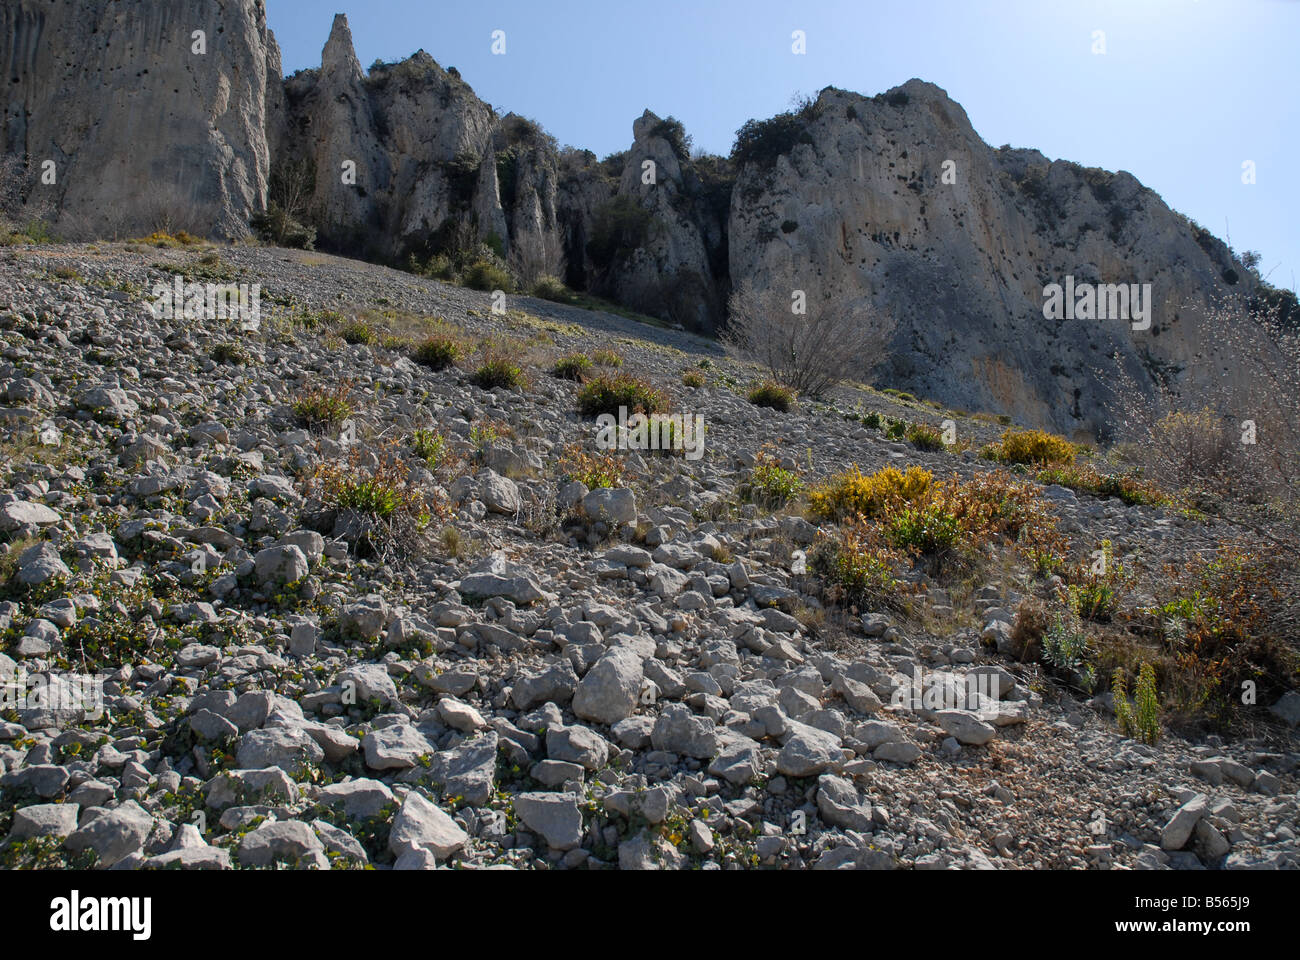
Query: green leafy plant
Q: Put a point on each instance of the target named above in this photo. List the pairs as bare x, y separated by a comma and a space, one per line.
229, 353
1141, 719
593, 471
1123, 709
321, 406
488, 275
607, 393
551, 288
438, 352
772, 394
1096, 593
574, 366
769, 483
358, 332
858, 567
499, 370
376, 501
1147, 719
1066, 648
430, 446
924, 437
927, 527
1031, 447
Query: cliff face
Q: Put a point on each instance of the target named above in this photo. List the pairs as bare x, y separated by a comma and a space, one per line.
141, 128
859, 203
894, 198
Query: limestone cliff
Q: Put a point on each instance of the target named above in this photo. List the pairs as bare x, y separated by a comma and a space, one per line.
893, 197
152, 112
859, 202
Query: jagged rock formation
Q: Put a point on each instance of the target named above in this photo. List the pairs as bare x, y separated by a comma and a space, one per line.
851, 189
416, 135
140, 127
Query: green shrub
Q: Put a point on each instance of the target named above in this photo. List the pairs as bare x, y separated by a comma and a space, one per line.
1141, 719
592, 470
1148, 705
437, 353
762, 141
693, 379
1095, 594
857, 567
772, 394
279, 227
34, 231
230, 353
321, 407
1066, 648
853, 493
358, 332
430, 446
671, 129
316, 319
498, 370
769, 483
551, 288
618, 227
607, 358
927, 527
1084, 477
383, 510
575, 366
924, 437
488, 275
608, 392
439, 266
1123, 709
368, 495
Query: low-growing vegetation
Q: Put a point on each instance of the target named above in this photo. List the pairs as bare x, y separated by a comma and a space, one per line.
319, 407
1085, 478
358, 332
771, 485
1031, 447
574, 366
497, 371
924, 437
438, 352
608, 393
378, 509
594, 471
772, 394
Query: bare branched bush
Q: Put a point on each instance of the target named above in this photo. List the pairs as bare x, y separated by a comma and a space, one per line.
287, 219
805, 340
12, 170
171, 209
1227, 441
21, 206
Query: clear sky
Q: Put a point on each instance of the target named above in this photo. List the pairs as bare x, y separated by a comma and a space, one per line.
1186, 91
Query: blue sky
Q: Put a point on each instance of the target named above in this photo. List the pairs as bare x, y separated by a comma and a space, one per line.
1186, 91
